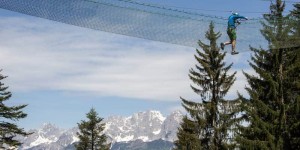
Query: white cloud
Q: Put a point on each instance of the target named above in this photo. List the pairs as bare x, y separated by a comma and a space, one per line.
60, 57
38, 54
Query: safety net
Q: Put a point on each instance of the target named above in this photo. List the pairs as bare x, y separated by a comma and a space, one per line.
131, 18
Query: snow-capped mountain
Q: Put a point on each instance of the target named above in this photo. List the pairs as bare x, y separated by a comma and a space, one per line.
49, 137
143, 126
47, 134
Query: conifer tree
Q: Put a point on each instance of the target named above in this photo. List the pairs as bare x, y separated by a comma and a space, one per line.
187, 135
272, 92
293, 114
90, 133
212, 118
295, 17
9, 115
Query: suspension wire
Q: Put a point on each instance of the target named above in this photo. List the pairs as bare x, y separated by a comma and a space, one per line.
197, 9
165, 7
182, 11
169, 12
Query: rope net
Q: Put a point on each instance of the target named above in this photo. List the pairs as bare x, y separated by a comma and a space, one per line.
137, 19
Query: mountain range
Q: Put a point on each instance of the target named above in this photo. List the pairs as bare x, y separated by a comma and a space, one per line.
148, 130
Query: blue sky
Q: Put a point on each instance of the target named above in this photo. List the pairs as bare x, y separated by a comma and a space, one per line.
61, 71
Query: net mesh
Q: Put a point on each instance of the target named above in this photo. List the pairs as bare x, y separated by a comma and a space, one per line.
136, 19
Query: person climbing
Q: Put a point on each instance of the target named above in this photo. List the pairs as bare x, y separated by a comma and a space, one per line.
233, 20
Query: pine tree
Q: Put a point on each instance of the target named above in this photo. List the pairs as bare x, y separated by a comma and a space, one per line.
211, 120
90, 135
272, 92
295, 17
187, 135
9, 114
293, 114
